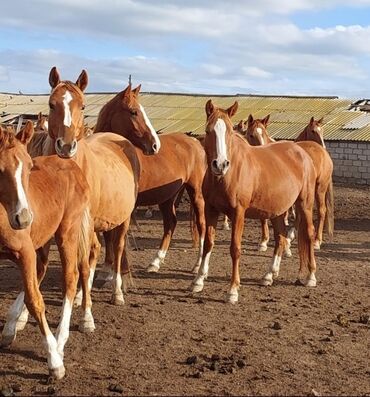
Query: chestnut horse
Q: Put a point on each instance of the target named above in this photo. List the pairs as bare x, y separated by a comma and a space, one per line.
257, 135
255, 182
180, 161
109, 163
38, 200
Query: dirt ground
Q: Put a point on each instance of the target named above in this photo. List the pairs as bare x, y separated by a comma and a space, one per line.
279, 340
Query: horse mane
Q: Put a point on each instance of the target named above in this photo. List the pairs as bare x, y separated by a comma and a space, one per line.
301, 136
37, 143
105, 114
7, 139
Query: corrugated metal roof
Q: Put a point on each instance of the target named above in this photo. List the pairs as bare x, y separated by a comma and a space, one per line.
185, 112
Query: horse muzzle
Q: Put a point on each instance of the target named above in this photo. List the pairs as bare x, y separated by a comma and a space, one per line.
22, 219
65, 150
219, 168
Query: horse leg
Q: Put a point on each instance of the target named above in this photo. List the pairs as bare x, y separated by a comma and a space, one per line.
235, 252
225, 224
169, 224
265, 235
211, 224
35, 304
67, 242
42, 265
321, 207
197, 202
280, 245
306, 239
118, 246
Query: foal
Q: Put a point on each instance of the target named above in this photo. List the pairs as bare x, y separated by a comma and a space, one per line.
38, 200
241, 182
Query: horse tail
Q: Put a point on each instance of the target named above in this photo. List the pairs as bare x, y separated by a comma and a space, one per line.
84, 238
329, 218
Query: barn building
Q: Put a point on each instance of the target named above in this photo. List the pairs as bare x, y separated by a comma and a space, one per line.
346, 122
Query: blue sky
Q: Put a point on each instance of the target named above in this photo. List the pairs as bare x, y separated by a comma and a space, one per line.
286, 47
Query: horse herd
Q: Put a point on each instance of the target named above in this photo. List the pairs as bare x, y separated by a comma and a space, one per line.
66, 184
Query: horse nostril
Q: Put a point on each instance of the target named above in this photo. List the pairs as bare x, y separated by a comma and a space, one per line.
17, 219
226, 164
74, 144
59, 143
154, 147
214, 164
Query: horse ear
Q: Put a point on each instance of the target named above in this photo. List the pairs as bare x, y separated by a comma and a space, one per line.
250, 119
82, 80
266, 120
26, 133
321, 120
210, 108
232, 109
136, 90
54, 78
39, 116
312, 120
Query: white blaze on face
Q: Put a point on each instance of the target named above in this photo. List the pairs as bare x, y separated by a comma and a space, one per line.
318, 130
220, 130
22, 199
259, 131
152, 130
67, 98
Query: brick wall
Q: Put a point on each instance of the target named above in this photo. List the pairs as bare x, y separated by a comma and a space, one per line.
351, 161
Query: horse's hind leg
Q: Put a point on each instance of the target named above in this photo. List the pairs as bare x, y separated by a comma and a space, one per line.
225, 223
306, 238
169, 224
42, 265
197, 203
265, 235
321, 209
211, 224
118, 246
280, 245
104, 276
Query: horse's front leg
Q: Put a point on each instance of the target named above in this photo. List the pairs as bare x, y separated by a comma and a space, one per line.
35, 304
42, 265
265, 235
235, 252
211, 224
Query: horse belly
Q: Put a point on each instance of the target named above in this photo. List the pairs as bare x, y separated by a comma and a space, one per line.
116, 200
159, 194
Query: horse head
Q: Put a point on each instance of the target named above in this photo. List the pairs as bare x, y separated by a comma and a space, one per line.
66, 112
41, 123
219, 130
315, 131
124, 115
15, 167
256, 132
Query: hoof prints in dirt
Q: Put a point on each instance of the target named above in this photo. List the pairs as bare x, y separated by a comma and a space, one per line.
221, 364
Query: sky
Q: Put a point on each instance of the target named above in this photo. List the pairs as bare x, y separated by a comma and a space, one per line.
267, 47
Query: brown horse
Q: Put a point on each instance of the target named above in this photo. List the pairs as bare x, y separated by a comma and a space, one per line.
257, 135
38, 200
180, 161
255, 182
109, 163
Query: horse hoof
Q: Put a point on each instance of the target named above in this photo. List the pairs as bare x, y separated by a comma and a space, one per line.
117, 300
86, 327
226, 227
262, 248
77, 302
317, 245
197, 288
266, 281
298, 282
152, 268
232, 298
57, 373
288, 253
7, 340
310, 283
275, 275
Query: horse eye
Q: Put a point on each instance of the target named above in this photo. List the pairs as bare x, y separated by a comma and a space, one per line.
133, 112
51, 105
83, 107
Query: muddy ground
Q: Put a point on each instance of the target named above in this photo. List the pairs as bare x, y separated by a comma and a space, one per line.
279, 340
